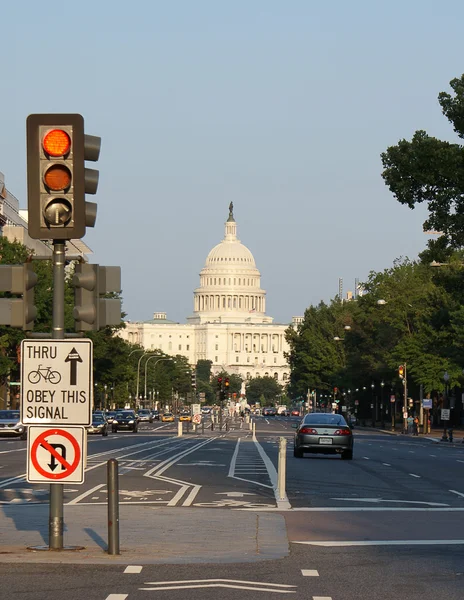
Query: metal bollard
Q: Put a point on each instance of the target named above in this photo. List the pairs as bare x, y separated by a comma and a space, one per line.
251, 424
254, 431
202, 427
113, 506
282, 468
194, 428
179, 429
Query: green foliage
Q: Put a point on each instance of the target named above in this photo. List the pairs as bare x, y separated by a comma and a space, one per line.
203, 370
430, 170
262, 389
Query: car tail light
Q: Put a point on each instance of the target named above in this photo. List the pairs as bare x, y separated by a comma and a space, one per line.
309, 430
342, 432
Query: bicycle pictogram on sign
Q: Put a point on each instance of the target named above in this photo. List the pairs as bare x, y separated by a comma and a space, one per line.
44, 373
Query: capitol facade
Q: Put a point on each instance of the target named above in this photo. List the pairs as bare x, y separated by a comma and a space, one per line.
229, 325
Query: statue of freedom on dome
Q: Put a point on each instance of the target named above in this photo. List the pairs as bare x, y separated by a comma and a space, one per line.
231, 210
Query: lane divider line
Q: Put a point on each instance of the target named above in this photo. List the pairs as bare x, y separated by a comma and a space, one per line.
310, 573
133, 569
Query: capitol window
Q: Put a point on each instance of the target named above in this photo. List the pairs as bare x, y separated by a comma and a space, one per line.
236, 359
216, 359
276, 376
188, 347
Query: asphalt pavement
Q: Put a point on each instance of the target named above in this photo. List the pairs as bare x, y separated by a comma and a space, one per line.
205, 500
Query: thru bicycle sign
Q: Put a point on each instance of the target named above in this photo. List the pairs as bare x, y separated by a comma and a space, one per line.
56, 382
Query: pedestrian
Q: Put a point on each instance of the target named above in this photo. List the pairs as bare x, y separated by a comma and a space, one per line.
416, 426
450, 434
410, 424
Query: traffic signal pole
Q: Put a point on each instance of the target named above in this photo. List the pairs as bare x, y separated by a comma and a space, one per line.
405, 401
55, 523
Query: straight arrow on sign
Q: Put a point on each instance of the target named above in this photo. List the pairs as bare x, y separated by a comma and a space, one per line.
73, 358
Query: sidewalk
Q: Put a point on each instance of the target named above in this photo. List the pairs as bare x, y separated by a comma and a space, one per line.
148, 535
435, 435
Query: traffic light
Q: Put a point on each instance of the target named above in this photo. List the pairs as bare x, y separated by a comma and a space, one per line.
219, 383
193, 378
19, 280
57, 179
226, 384
401, 371
91, 311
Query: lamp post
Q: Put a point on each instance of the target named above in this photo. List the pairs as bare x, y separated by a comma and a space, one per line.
104, 397
138, 373
393, 411
372, 404
146, 366
445, 405
382, 414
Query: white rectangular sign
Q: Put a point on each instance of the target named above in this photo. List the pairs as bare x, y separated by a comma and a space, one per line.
56, 382
445, 414
55, 454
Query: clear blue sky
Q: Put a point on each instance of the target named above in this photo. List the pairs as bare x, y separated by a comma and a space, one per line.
281, 106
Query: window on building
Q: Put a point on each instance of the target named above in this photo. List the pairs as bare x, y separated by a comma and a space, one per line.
248, 359
275, 360
188, 347
266, 374
248, 375
276, 376
217, 347
236, 359
180, 346
284, 376
216, 359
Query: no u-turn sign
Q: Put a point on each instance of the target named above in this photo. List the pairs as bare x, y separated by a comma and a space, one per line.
55, 454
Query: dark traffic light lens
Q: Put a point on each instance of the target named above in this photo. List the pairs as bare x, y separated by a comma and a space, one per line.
57, 177
58, 212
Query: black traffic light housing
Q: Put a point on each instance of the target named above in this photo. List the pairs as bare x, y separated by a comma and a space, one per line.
57, 179
18, 280
91, 310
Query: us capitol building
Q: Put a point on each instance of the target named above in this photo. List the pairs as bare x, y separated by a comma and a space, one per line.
229, 325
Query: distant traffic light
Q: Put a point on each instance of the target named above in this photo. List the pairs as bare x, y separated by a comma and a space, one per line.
18, 280
91, 311
401, 371
226, 384
57, 179
219, 383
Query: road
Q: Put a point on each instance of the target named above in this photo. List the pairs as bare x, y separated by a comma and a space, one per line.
386, 525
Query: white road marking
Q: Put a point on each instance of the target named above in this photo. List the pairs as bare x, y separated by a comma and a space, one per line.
461, 461
322, 597
434, 455
133, 569
332, 544
309, 573
366, 458
414, 475
85, 494
237, 584
117, 597
7, 482
386, 465
377, 500
234, 494
8, 451
458, 493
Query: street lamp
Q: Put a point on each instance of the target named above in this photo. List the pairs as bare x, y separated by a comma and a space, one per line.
382, 414
445, 402
138, 372
372, 404
146, 366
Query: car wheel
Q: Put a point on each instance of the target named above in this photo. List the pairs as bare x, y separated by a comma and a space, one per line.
297, 453
114, 430
347, 455
134, 430
23, 436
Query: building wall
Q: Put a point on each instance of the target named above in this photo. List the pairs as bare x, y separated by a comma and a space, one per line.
248, 350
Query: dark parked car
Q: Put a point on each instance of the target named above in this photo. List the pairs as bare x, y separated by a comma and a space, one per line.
124, 420
10, 425
99, 425
324, 433
155, 414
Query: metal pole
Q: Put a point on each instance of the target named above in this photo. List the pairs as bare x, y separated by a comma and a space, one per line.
281, 468
405, 402
113, 506
55, 522
179, 429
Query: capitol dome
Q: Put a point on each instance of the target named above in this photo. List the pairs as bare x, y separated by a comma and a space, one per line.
230, 283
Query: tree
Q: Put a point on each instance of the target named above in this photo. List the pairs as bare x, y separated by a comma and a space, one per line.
262, 387
203, 370
430, 170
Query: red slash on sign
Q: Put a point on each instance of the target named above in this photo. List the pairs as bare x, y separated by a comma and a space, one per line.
57, 452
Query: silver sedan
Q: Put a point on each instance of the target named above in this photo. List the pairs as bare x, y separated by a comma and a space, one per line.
323, 433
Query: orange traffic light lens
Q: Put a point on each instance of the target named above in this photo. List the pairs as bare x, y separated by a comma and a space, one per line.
57, 177
56, 143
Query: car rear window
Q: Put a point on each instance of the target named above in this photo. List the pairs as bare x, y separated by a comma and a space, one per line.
324, 419
9, 414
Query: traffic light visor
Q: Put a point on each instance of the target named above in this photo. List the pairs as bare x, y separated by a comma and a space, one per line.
57, 177
56, 142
